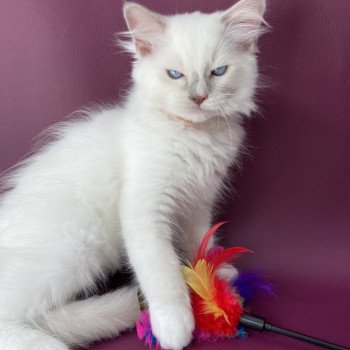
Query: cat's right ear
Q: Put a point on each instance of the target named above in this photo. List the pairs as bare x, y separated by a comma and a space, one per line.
145, 27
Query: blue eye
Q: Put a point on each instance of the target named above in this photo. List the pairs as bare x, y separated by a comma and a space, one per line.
219, 71
174, 74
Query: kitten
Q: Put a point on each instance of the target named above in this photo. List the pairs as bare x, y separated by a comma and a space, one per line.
138, 180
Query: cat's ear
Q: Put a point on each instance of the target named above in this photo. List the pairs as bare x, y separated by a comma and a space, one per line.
146, 27
245, 22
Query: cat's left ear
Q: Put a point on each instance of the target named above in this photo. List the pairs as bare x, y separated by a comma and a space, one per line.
146, 27
245, 22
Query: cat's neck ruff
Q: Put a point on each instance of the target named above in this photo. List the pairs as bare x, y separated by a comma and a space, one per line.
180, 119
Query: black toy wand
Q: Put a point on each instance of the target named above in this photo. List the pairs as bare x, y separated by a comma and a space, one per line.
259, 324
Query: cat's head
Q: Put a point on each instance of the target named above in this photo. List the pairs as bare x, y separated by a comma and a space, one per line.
196, 66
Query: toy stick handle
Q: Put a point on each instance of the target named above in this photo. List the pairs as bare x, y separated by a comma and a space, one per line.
259, 324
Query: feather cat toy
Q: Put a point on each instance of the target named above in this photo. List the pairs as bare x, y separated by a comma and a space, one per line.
218, 304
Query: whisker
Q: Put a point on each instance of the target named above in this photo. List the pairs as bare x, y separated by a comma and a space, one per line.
226, 120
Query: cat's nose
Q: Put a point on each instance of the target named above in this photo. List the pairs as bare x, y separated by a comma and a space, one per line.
199, 99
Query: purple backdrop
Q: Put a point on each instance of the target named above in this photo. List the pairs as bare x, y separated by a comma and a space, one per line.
292, 202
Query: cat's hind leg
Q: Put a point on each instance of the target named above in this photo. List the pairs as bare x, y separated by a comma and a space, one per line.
19, 336
39, 277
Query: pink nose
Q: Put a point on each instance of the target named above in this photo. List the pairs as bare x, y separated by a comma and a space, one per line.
199, 99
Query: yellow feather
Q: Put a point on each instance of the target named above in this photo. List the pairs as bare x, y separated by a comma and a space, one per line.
212, 308
200, 279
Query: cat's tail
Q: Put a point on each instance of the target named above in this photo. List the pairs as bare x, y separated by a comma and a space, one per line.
95, 318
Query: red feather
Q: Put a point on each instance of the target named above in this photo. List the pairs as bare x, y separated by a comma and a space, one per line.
218, 326
228, 254
219, 314
203, 246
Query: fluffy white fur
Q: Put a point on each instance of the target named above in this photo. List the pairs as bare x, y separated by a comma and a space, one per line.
138, 180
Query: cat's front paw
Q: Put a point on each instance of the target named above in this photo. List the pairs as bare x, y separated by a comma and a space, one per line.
172, 324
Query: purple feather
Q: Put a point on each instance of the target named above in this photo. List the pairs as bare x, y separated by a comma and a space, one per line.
248, 284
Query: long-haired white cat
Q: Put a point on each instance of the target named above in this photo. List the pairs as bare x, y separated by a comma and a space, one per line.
136, 181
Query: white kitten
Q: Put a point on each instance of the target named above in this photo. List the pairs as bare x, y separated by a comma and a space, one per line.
140, 179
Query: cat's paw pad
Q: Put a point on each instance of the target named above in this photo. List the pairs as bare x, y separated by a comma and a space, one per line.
227, 272
172, 324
